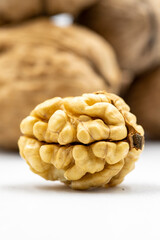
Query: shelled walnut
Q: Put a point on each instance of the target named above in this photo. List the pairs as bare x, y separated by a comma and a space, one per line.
132, 27
39, 60
143, 97
88, 141
18, 10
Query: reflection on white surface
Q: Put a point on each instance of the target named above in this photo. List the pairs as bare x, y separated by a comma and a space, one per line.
32, 208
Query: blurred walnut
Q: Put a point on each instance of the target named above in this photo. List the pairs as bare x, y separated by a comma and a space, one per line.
144, 99
17, 10
67, 6
39, 61
132, 28
87, 141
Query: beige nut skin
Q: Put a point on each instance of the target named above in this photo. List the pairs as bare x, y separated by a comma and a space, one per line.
132, 28
143, 96
88, 141
39, 61
18, 10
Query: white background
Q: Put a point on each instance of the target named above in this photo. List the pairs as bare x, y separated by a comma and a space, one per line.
32, 208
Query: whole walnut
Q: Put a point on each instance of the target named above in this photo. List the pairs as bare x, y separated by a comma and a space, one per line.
17, 10
131, 26
39, 60
87, 141
144, 98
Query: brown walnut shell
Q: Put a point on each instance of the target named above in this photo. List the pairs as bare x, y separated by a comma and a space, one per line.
39, 60
143, 97
131, 26
18, 10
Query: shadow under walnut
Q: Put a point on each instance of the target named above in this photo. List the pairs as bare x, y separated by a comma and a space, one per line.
39, 61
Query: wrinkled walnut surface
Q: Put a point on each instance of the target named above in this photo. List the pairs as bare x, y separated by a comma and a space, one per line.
18, 10
143, 97
88, 141
132, 28
39, 61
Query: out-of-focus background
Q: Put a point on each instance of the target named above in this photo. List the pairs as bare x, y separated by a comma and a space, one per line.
65, 48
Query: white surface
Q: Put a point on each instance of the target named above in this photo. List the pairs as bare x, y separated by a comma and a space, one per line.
32, 208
